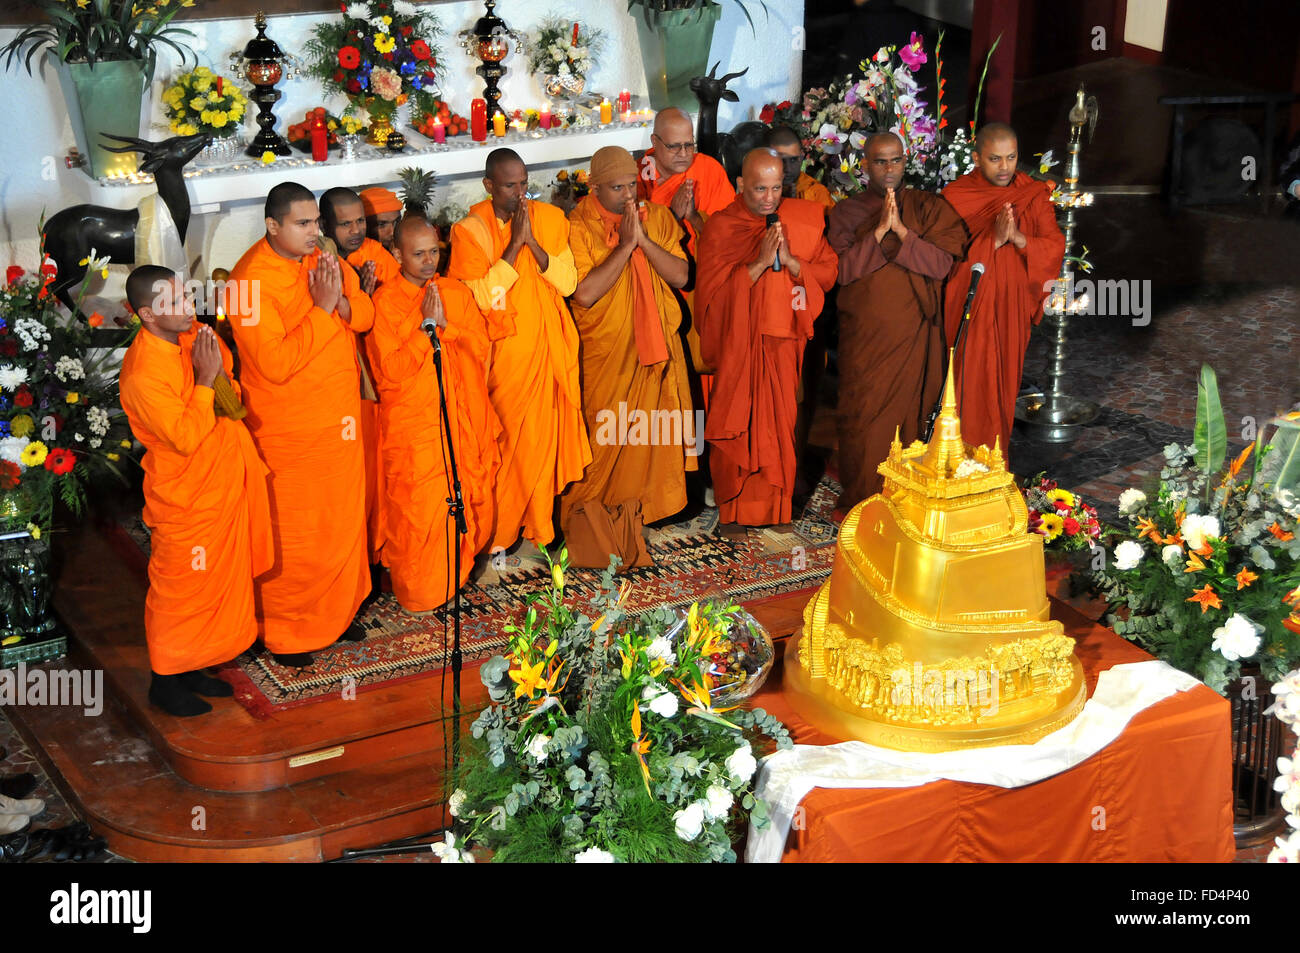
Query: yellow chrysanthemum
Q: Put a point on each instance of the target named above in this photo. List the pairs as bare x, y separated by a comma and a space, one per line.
1053, 525
202, 71
21, 425
218, 120
384, 43
202, 85
206, 115
214, 96
34, 454
1064, 496
73, 397
198, 103
268, 157
189, 129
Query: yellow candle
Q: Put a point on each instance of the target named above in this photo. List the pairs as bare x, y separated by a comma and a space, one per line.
499, 125
606, 113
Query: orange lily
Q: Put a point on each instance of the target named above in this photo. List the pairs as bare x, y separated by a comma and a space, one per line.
1175, 540
640, 746
1148, 528
1240, 461
1245, 577
1194, 563
527, 678
1284, 535
1207, 597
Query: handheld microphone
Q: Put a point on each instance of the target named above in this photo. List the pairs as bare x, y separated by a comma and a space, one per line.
976, 272
772, 219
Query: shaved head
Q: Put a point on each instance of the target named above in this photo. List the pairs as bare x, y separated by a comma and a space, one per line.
996, 153
499, 160
992, 132
415, 246
761, 181
506, 180
779, 136
343, 219
674, 141
411, 228
885, 162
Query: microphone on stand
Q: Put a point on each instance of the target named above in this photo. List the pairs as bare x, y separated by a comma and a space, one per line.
976, 272
430, 327
773, 219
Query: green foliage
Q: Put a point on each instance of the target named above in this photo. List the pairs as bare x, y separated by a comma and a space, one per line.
1211, 436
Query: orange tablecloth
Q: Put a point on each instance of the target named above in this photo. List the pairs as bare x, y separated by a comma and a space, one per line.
1160, 792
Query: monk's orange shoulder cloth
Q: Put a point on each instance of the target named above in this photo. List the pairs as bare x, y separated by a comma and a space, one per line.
386, 268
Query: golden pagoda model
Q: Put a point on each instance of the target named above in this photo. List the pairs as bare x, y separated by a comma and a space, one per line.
932, 632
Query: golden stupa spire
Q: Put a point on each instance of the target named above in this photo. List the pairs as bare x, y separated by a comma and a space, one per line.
946, 450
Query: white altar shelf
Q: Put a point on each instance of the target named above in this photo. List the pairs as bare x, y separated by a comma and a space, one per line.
216, 187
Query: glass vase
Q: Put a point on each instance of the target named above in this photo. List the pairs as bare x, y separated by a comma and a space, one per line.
25, 586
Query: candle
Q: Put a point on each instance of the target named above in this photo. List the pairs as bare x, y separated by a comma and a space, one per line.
575, 34
439, 131
499, 125
606, 113
478, 120
544, 118
624, 102
319, 141
220, 83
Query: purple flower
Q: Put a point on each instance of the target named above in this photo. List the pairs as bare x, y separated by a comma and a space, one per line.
913, 54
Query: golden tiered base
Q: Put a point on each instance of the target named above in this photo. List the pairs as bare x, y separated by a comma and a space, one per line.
1016, 721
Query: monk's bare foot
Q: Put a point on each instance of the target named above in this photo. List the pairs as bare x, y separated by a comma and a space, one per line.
293, 659
709, 499
733, 531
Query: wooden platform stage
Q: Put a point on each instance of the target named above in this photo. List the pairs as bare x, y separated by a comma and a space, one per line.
303, 785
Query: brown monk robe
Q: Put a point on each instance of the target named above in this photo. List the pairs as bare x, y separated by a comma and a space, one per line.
1014, 233
753, 325
343, 221
629, 260
896, 247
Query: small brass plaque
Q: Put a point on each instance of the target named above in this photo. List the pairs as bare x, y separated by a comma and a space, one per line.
325, 754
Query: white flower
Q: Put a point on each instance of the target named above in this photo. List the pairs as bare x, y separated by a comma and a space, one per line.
11, 378
97, 420
11, 449
1128, 554
379, 24
537, 747
357, 11
968, 467
662, 702
449, 853
94, 443
31, 332
661, 648
1236, 639
1130, 500
78, 437
1172, 554
1288, 774
593, 855
69, 368
456, 802
403, 9
741, 764
717, 802
882, 55
1291, 801
1287, 850
689, 821
1197, 529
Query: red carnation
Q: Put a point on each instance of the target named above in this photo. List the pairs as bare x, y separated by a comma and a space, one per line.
1071, 525
420, 50
354, 86
349, 57
10, 475
784, 106
767, 114
407, 30
13, 274
389, 57
60, 461
9, 347
23, 398
339, 76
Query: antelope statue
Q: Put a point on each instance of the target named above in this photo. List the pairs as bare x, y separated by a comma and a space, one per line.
711, 90
72, 233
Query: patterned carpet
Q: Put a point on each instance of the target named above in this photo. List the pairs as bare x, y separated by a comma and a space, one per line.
690, 562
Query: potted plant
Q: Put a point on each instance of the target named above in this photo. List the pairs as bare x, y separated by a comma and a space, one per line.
106, 51
675, 36
1206, 577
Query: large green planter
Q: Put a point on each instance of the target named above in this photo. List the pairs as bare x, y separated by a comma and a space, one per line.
107, 98
674, 51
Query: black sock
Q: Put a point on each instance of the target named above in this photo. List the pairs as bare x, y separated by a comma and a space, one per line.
293, 659
204, 684
169, 693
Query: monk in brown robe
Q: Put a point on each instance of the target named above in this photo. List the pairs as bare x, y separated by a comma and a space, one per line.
896, 247
1013, 231
629, 260
754, 322
343, 222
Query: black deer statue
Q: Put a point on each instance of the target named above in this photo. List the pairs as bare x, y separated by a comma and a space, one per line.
72, 233
711, 90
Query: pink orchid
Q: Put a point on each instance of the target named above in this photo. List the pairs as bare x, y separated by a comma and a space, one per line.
913, 54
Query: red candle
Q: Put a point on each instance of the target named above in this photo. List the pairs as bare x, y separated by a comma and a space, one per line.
319, 141
439, 131
220, 83
575, 34
624, 101
544, 117
478, 120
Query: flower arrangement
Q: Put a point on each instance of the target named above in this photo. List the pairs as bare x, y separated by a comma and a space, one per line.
1287, 710
563, 50
569, 188
836, 121
602, 743
59, 425
381, 54
1064, 520
200, 101
1209, 571
95, 31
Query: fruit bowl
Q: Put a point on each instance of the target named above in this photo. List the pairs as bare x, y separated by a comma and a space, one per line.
738, 652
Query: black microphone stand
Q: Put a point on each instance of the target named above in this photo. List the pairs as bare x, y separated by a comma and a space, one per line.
961, 335
455, 507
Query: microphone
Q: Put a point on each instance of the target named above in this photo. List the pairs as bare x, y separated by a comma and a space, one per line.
772, 219
430, 327
976, 272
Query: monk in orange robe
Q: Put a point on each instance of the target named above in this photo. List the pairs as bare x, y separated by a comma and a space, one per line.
896, 247
294, 311
633, 367
693, 186
753, 325
383, 209
205, 496
1013, 230
513, 255
420, 529
796, 183
343, 220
